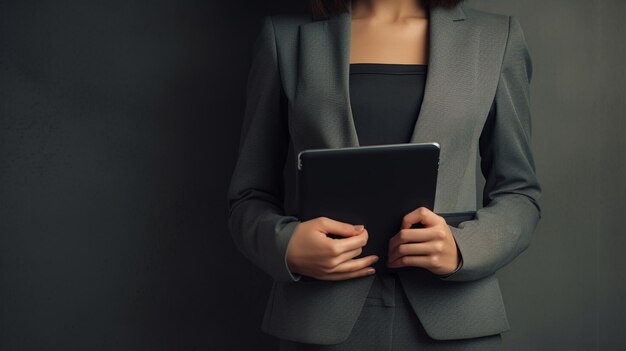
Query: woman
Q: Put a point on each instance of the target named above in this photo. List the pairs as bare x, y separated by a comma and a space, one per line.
449, 74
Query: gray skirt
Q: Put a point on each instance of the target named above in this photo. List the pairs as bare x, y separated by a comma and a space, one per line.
387, 323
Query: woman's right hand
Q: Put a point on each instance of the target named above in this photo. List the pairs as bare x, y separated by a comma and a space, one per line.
312, 253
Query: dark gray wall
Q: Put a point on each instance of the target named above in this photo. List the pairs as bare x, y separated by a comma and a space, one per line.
119, 122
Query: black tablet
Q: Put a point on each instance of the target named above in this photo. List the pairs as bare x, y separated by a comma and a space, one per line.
371, 185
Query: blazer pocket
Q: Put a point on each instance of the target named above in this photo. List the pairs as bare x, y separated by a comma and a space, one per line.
315, 311
456, 310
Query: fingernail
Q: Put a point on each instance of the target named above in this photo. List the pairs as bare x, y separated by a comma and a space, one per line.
371, 271
375, 258
359, 227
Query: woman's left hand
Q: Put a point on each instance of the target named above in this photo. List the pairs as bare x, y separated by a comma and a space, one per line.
432, 247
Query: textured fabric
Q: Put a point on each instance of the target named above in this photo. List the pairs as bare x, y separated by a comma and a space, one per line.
386, 99
298, 98
386, 323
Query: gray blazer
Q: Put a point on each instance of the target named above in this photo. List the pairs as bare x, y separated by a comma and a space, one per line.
298, 98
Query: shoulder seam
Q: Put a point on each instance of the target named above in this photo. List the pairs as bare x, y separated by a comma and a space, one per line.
270, 17
283, 94
506, 45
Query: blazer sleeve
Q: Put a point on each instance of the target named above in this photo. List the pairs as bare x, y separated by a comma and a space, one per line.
504, 225
256, 219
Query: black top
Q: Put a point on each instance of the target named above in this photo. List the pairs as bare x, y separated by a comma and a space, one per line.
386, 99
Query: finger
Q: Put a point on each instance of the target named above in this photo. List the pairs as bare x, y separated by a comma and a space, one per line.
413, 249
411, 261
421, 215
329, 225
348, 244
348, 255
353, 264
349, 275
415, 235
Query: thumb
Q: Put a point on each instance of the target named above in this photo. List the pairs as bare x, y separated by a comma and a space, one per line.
347, 229
358, 228
344, 229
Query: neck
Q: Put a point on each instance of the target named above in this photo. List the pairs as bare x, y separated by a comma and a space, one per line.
389, 10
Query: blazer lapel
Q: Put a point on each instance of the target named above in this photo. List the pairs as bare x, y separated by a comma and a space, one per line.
322, 88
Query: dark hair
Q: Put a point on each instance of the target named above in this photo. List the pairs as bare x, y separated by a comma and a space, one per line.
325, 8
